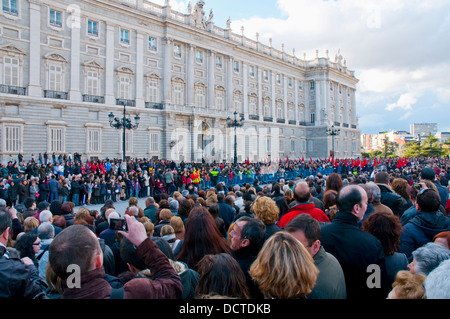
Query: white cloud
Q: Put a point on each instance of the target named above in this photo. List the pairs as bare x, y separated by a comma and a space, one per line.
405, 102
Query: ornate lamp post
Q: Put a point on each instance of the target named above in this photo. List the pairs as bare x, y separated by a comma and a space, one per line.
235, 123
333, 132
124, 124
418, 143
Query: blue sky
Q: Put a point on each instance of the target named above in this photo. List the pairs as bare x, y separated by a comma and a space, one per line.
398, 49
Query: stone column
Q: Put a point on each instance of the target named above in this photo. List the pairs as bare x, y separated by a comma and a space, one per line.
168, 54
229, 106
140, 71
190, 93
109, 69
75, 93
211, 80
34, 86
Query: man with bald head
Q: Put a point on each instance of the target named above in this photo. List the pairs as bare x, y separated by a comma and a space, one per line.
360, 254
302, 196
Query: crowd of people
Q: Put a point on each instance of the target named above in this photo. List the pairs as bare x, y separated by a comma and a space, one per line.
319, 229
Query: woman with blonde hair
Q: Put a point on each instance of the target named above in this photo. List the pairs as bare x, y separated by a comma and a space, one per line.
284, 269
30, 223
266, 210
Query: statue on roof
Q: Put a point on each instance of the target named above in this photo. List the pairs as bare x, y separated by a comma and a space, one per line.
198, 15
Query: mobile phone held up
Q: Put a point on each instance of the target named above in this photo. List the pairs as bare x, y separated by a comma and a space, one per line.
118, 224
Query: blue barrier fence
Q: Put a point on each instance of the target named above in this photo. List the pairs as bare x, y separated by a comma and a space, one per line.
275, 177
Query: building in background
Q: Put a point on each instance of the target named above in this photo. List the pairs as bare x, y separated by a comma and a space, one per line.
423, 129
65, 67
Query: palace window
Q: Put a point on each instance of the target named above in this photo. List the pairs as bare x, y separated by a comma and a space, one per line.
124, 36
13, 139
55, 18
56, 139
94, 141
152, 44
92, 83
92, 28
153, 91
10, 7
55, 78
11, 71
177, 50
154, 143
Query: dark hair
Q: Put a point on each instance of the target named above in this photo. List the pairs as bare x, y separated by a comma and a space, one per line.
428, 200
59, 221
307, 224
5, 219
382, 177
55, 207
254, 230
221, 274
185, 207
28, 202
74, 245
334, 181
329, 198
214, 210
387, 228
202, 237
43, 205
24, 245
282, 206
348, 197
164, 246
128, 254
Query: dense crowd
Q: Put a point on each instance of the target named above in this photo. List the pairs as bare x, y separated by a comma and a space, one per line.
314, 229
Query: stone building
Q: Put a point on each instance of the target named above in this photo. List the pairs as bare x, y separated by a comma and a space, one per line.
65, 67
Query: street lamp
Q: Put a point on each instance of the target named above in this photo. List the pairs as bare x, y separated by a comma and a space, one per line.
333, 132
235, 124
418, 143
124, 124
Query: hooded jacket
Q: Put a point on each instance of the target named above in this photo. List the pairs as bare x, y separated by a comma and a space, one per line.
421, 229
392, 200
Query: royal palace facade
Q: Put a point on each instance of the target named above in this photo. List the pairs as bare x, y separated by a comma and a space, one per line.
66, 67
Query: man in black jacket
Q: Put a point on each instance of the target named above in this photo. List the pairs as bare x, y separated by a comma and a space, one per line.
360, 254
20, 278
247, 238
388, 197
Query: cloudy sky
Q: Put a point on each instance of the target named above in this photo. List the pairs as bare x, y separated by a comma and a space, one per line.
399, 49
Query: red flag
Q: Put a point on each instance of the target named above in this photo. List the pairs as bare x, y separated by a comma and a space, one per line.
346, 164
310, 159
287, 159
303, 159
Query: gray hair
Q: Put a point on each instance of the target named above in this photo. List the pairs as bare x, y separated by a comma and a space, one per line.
437, 284
46, 230
376, 191
150, 200
113, 214
133, 210
45, 216
429, 256
2, 202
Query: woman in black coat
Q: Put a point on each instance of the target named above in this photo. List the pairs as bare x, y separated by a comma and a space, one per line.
13, 193
43, 190
24, 190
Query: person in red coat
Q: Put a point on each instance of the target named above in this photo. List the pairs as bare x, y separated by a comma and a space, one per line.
302, 196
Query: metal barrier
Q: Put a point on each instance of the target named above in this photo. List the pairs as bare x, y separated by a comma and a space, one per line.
243, 179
